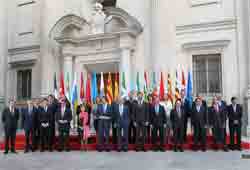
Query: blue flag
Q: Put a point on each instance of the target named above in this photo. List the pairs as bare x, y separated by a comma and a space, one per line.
94, 91
190, 89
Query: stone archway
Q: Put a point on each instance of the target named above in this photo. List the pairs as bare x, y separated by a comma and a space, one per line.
78, 48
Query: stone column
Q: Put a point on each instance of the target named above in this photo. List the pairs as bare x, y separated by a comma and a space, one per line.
125, 66
248, 78
68, 67
3, 55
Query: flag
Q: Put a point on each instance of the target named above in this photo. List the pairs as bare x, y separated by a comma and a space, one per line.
177, 86
189, 89
102, 86
138, 82
146, 86
94, 87
74, 97
109, 89
61, 90
124, 92
82, 87
88, 89
153, 81
55, 87
170, 92
68, 86
162, 90
183, 80
116, 94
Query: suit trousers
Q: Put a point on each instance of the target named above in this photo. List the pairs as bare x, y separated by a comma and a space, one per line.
64, 138
103, 133
141, 132
155, 131
199, 135
235, 129
132, 133
178, 135
10, 137
44, 137
122, 134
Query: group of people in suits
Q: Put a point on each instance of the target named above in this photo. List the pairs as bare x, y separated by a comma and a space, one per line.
140, 119
137, 119
38, 119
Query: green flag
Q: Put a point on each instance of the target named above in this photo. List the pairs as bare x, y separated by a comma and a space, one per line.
124, 87
138, 82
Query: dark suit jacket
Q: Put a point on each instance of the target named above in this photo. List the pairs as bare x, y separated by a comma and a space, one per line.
66, 117
141, 113
218, 119
199, 118
45, 117
158, 119
131, 104
121, 120
100, 112
232, 115
177, 122
28, 119
10, 120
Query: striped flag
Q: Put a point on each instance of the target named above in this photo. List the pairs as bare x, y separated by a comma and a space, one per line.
82, 87
55, 87
162, 89
74, 97
116, 94
109, 89
138, 82
68, 86
124, 92
146, 86
102, 93
170, 88
61, 90
183, 80
177, 86
88, 89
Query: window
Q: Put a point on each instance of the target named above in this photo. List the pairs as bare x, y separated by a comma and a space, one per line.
109, 3
24, 84
207, 74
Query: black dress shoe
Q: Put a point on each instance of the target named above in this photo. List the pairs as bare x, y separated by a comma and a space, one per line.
6, 152
181, 149
14, 152
175, 149
26, 151
225, 149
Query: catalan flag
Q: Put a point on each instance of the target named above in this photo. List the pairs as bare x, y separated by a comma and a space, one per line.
109, 89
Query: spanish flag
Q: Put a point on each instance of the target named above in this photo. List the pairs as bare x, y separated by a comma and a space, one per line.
170, 92
109, 89
116, 94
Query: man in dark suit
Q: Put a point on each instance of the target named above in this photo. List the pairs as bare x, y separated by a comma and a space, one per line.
219, 116
141, 121
131, 104
28, 123
177, 117
114, 125
36, 125
45, 118
10, 118
63, 119
53, 106
235, 123
187, 109
121, 120
158, 122
104, 115
199, 120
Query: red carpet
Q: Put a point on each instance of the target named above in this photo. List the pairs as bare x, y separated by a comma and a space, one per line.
74, 143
